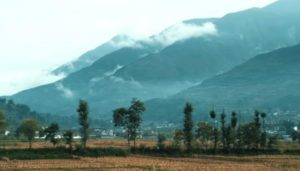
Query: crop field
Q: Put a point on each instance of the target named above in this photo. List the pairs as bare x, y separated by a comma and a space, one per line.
141, 162
205, 163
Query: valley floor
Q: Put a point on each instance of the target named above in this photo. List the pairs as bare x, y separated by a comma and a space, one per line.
203, 163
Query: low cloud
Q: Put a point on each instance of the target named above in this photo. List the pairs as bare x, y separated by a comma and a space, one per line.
178, 32
106, 74
12, 82
117, 68
66, 92
184, 31
126, 40
121, 80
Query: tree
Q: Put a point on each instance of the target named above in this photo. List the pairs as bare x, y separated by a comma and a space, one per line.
68, 136
273, 140
188, 126
239, 140
263, 137
263, 116
295, 135
257, 131
51, 132
3, 123
228, 132
130, 119
223, 129
28, 128
233, 120
178, 137
213, 116
160, 141
83, 112
204, 133
248, 135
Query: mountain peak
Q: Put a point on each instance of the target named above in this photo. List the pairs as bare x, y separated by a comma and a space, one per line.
121, 37
125, 40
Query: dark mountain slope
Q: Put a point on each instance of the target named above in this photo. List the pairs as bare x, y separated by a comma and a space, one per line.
268, 81
62, 96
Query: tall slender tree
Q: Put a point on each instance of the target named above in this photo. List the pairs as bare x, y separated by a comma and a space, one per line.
233, 122
83, 112
257, 131
263, 139
215, 132
223, 129
188, 126
263, 116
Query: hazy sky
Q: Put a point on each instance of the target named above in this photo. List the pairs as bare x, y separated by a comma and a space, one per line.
38, 35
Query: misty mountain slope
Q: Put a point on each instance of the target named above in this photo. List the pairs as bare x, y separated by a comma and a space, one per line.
239, 37
93, 55
66, 92
182, 62
268, 81
175, 59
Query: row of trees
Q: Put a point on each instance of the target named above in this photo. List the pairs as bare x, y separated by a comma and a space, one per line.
128, 118
223, 135
29, 127
216, 134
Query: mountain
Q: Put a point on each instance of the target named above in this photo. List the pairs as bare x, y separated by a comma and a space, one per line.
91, 56
269, 81
66, 92
239, 37
285, 7
180, 57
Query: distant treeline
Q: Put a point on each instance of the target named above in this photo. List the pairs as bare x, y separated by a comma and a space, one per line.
16, 113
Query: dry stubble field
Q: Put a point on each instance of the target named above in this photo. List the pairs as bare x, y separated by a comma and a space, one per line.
205, 163
135, 162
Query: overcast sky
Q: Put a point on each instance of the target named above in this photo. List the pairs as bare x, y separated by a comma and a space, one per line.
38, 35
